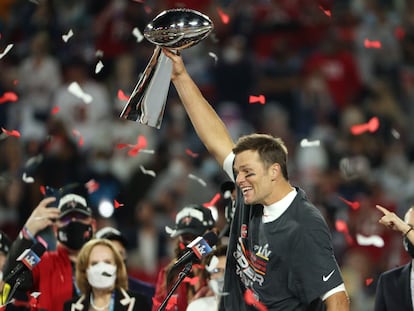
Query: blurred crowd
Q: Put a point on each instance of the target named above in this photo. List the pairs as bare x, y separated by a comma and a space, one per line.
306, 71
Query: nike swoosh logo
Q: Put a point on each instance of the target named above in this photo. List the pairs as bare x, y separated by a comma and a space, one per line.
327, 277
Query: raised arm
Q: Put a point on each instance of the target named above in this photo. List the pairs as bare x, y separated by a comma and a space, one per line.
208, 125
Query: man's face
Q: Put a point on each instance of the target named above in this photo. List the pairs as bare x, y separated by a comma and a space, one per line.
253, 178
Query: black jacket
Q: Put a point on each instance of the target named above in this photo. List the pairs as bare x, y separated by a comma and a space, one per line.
124, 300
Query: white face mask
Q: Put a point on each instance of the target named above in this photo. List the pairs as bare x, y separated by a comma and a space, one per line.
101, 275
216, 285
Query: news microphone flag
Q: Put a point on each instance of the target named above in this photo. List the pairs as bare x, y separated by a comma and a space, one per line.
200, 247
29, 258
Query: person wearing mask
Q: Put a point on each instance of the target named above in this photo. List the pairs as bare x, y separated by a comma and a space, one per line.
280, 247
395, 287
53, 276
214, 264
190, 222
103, 281
121, 243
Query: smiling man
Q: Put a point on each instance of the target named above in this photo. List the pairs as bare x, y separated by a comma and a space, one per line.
280, 246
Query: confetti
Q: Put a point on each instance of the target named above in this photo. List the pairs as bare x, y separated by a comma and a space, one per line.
6, 50
354, 205
67, 36
395, 134
92, 185
147, 172
198, 179
368, 281
191, 154
213, 56
251, 300
54, 110
137, 34
141, 143
223, 16
76, 133
373, 240
76, 90
14, 133
148, 151
192, 281
341, 226
99, 53
307, 143
326, 12
371, 126
42, 190
8, 97
117, 204
122, 96
27, 179
213, 201
99, 67
257, 99
372, 44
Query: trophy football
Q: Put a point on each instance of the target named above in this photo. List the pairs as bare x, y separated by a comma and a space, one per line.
175, 29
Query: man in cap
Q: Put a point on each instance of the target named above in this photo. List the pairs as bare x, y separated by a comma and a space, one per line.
121, 244
53, 274
190, 222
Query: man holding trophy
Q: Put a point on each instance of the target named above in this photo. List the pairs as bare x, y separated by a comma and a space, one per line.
280, 249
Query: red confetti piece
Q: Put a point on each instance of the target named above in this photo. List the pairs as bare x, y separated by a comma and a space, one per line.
223, 16
122, 146
354, 205
372, 44
192, 281
257, 99
92, 185
341, 226
117, 204
191, 154
11, 133
122, 96
368, 281
326, 12
8, 97
399, 33
43, 190
252, 301
76, 133
213, 201
141, 144
55, 110
371, 126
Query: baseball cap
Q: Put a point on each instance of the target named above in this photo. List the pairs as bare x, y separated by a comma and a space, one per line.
71, 203
192, 219
112, 234
5, 243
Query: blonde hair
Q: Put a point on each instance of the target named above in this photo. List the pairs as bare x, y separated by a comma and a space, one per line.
83, 263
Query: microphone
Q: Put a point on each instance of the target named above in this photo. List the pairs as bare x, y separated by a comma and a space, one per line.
198, 248
27, 260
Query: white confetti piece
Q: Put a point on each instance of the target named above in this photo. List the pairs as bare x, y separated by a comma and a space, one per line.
395, 134
99, 53
373, 240
307, 143
76, 90
213, 56
213, 264
148, 151
27, 179
147, 172
99, 67
137, 34
67, 36
6, 50
202, 182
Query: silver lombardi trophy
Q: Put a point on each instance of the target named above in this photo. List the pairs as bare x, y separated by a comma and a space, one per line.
175, 29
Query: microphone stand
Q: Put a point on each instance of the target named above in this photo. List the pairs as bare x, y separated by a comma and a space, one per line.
186, 270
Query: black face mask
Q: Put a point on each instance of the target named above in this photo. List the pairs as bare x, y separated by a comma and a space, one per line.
409, 247
75, 234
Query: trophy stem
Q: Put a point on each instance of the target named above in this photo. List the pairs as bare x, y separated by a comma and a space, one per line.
147, 102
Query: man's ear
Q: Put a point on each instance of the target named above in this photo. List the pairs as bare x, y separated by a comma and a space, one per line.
274, 170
